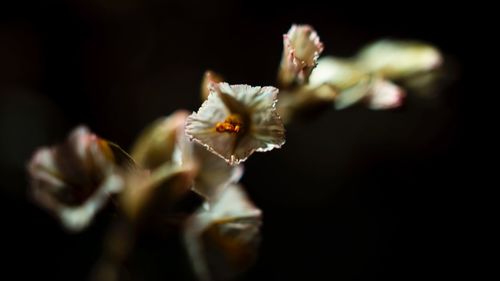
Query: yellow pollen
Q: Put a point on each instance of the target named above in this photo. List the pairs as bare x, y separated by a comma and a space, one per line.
232, 124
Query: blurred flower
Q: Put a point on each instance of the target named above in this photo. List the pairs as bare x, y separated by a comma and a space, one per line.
301, 50
367, 77
209, 78
376, 92
74, 180
394, 59
156, 143
148, 192
342, 73
222, 242
237, 120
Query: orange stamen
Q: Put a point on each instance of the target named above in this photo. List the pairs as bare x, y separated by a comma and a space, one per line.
232, 124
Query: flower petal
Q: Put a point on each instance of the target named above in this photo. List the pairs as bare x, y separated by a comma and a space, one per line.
209, 78
213, 174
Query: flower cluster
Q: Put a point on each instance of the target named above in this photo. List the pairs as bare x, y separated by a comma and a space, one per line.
373, 76
199, 156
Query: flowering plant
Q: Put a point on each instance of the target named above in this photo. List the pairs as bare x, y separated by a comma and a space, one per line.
184, 169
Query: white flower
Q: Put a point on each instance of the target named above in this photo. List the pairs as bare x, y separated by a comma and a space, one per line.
165, 146
222, 241
237, 120
156, 143
395, 59
301, 50
74, 180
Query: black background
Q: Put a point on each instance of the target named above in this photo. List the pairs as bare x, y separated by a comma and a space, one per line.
353, 195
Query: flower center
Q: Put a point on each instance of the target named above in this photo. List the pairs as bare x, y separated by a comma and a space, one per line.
232, 124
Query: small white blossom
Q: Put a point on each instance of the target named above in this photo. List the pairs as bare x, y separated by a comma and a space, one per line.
301, 50
237, 120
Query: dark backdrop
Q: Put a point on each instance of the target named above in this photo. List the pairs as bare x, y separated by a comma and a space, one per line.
353, 195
